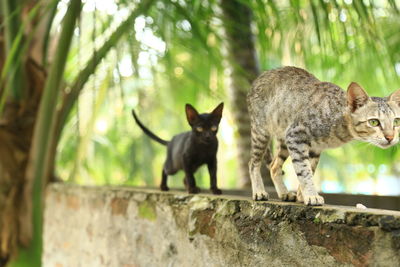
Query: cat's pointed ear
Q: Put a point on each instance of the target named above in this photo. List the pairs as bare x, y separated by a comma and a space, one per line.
395, 97
191, 114
356, 96
217, 112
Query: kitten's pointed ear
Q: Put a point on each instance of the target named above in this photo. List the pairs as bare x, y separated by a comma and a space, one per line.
217, 112
395, 96
191, 114
356, 96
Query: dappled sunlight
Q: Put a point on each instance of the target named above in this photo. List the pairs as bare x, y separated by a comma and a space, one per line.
74, 70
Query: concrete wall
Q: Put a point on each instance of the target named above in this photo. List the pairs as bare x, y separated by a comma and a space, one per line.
100, 226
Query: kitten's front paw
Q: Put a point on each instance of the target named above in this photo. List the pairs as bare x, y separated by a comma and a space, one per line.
316, 200
216, 191
164, 188
261, 195
290, 196
194, 190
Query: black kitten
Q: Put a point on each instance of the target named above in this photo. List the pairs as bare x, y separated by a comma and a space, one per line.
189, 150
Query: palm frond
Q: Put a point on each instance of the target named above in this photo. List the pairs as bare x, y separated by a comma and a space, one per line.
91, 65
39, 152
12, 33
52, 13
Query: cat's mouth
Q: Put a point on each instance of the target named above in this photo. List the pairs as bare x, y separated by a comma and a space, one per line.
207, 140
385, 144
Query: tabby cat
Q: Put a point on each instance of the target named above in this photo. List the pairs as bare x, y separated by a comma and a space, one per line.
306, 116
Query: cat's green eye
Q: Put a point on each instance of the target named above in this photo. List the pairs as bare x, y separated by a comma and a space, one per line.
199, 129
374, 122
396, 122
214, 128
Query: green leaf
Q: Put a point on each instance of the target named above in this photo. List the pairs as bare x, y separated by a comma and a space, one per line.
84, 75
39, 151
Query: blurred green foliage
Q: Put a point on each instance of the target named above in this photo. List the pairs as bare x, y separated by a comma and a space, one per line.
176, 56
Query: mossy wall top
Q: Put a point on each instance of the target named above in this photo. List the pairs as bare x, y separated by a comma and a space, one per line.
110, 226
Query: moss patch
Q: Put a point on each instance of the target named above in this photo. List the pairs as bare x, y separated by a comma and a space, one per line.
147, 210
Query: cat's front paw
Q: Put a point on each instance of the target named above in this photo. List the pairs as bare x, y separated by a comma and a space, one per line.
299, 196
261, 195
164, 188
290, 196
316, 200
216, 191
194, 190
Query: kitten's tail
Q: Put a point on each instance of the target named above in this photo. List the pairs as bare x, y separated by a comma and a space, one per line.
147, 131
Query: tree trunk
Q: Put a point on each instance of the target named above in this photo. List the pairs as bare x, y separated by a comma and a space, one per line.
17, 122
244, 68
16, 129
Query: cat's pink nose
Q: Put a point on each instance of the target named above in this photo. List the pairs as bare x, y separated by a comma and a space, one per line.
389, 138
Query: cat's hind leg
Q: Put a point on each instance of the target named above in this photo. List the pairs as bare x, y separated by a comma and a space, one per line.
190, 183
276, 173
259, 144
164, 178
189, 180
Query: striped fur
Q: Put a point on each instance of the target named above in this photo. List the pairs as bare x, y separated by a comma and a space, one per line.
306, 116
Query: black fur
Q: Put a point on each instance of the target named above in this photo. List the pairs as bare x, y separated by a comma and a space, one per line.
189, 150
4, 260
147, 131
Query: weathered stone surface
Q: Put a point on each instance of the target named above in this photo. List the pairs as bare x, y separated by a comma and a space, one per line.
109, 226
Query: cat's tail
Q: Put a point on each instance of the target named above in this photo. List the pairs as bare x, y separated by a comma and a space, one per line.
147, 131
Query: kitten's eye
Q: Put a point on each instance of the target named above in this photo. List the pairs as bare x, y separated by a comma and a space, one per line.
374, 122
396, 122
214, 128
199, 129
